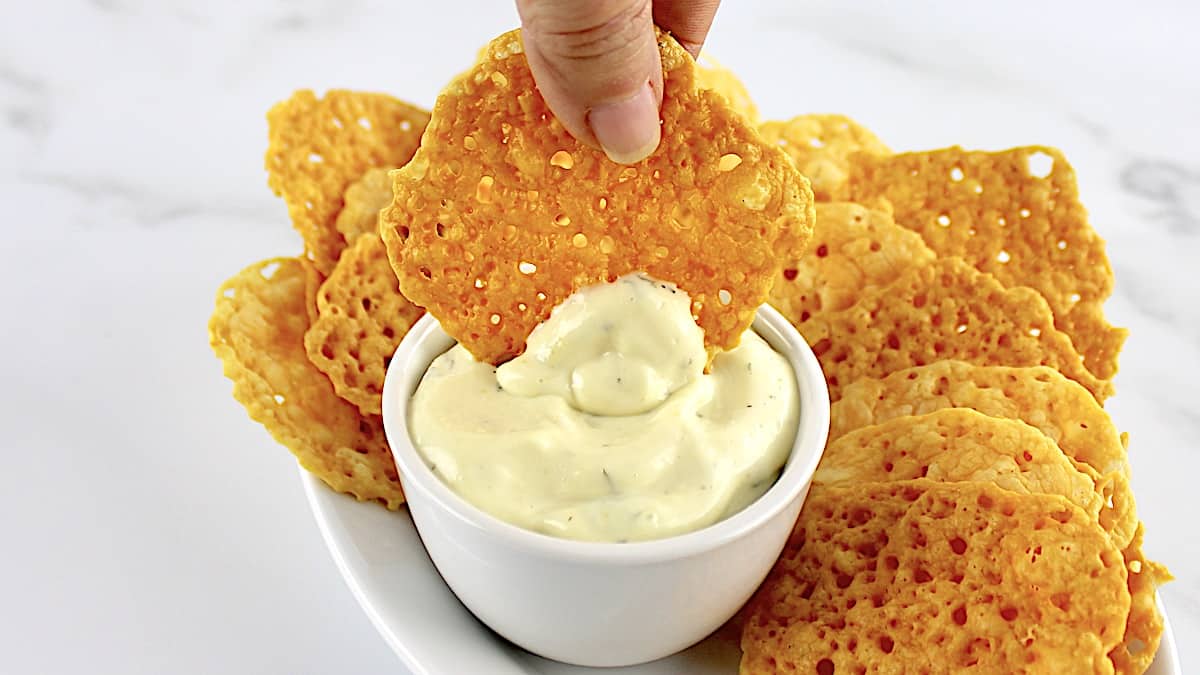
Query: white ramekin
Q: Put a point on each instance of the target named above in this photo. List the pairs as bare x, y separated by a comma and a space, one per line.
602, 604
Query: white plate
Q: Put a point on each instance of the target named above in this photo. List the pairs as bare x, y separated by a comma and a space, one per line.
384, 563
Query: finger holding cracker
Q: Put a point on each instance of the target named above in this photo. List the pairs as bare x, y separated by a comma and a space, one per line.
502, 214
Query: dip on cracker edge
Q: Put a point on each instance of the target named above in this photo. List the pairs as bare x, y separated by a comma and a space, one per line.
606, 428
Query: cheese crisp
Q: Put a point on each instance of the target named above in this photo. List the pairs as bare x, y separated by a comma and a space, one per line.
257, 331
361, 318
821, 147
960, 444
1014, 214
502, 214
853, 248
319, 146
944, 310
915, 576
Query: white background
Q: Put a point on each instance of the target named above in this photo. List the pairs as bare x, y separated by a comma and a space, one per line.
150, 527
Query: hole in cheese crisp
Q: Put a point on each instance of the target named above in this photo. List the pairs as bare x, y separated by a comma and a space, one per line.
562, 159
884, 538
1144, 628
511, 204
1040, 164
353, 347
1028, 207
729, 162
258, 333
313, 155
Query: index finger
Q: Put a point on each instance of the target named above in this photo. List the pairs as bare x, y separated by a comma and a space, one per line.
688, 21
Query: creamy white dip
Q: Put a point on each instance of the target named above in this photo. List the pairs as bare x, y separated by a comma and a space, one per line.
607, 428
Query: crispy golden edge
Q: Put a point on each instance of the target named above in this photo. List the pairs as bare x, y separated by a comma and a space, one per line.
993, 209
359, 324
257, 332
610, 207
788, 602
1144, 628
715, 77
312, 284
821, 146
318, 146
853, 248
851, 347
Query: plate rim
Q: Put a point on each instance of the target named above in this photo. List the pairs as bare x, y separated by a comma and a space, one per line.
317, 494
311, 485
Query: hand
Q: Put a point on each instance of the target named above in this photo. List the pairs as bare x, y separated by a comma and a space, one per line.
596, 63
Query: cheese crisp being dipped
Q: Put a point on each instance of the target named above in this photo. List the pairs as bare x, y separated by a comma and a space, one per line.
607, 428
606, 385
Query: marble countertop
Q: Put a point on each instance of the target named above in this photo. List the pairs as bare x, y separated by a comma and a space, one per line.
150, 527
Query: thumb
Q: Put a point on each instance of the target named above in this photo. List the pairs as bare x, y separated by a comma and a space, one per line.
596, 63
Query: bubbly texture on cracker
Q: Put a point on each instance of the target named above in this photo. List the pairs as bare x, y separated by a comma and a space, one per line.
1015, 214
1063, 411
258, 331
319, 146
821, 147
853, 248
960, 444
1041, 397
361, 318
944, 310
501, 214
915, 576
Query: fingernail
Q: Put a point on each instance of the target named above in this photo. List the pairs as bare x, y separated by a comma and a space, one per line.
627, 130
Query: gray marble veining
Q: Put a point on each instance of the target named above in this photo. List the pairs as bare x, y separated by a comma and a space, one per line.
158, 530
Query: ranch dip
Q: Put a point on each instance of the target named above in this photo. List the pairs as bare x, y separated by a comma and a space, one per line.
607, 428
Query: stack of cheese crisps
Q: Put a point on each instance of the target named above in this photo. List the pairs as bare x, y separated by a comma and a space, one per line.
972, 510
307, 339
